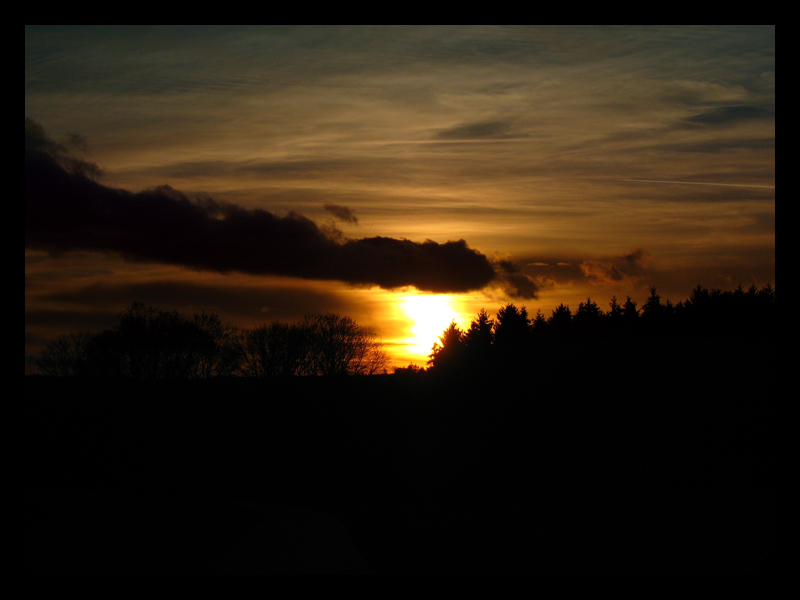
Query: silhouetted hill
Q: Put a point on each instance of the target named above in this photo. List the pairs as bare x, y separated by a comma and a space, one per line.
610, 458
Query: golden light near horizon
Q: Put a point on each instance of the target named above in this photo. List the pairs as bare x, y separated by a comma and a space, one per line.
430, 314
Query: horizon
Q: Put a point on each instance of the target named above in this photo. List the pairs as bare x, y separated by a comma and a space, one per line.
352, 170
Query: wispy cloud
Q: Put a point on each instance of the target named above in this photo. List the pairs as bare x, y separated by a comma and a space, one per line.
514, 282
732, 115
477, 131
342, 213
750, 185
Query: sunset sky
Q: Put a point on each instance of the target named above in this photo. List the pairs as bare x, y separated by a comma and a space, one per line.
391, 174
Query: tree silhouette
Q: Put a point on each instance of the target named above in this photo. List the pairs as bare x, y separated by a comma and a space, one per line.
511, 330
657, 316
217, 352
66, 355
147, 344
652, 305
629, 310
588, 320
614, 308
273, 350
448, 352
613, 319
629, 321
411, 369
337, 345
157, 344
560, 322
539, 331
152, 344
478, 339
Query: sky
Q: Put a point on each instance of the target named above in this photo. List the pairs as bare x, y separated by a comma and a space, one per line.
402, 176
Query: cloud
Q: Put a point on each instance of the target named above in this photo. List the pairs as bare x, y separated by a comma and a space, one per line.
342, 213
67, 208
637, 258
78, 141
717, 145
38, 145
627, 270
601, 272
729, 115
479, 130
514, 282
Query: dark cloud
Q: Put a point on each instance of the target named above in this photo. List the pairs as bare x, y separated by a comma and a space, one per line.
41, 148
728, 115
66, 209
481, 130
515, 283
76, 140
627, 270
342, 213
637, 258
601, 272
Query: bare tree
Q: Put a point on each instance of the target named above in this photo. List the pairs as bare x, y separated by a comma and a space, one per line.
369, 357
153, 344
216, 351
147, 344
337, 345
276, 349
66, 355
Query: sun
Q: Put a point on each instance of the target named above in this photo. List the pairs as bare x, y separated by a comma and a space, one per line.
431, 314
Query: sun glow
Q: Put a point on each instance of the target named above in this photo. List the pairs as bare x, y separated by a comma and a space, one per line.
431, 314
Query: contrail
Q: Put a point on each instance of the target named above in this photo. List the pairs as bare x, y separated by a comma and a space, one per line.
701, 183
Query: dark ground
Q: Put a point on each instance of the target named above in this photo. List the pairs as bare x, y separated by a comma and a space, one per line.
629, 464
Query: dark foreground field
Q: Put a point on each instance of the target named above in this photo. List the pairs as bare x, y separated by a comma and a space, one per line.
628, 466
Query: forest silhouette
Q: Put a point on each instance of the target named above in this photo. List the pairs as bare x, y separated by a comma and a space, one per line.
153, 344
629, 442
148, 343
513, 337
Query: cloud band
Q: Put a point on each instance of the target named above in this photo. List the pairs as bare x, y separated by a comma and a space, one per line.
66, 208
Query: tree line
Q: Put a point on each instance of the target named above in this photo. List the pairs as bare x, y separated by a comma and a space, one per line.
513, 334
147, 343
